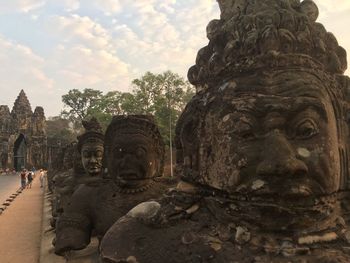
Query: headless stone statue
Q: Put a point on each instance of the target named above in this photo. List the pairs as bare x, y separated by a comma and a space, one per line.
263, 149
134, 153
63, 183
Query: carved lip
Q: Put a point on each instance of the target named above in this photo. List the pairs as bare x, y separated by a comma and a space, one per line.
291, 191
130, 175
94, 167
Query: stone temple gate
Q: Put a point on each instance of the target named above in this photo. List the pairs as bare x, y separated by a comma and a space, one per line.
23, 139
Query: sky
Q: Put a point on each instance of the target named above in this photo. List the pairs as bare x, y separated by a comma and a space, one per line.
49, 47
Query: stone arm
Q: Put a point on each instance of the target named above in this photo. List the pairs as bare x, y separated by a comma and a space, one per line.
73, 229
130, 238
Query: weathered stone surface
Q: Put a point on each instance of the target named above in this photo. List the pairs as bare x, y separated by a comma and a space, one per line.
264, 144
23, 140
134, 154
62, 182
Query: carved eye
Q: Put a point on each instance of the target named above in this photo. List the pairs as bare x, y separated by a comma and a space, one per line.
99, 154
306, 129
248, 135
244, 130
140, 152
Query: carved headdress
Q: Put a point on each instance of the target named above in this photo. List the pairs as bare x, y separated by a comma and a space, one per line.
93, 133
255, 34
134, 125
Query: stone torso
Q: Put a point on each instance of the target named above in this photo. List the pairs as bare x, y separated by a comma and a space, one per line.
102, 204
108, 205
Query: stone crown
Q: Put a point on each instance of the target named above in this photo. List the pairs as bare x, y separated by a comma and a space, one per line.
93, 132
253, 34
134, 124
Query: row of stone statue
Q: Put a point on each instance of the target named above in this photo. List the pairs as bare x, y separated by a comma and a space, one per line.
103, 177
262, 151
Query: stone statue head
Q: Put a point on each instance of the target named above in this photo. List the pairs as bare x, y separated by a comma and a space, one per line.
268, 123
90, 146
134, 150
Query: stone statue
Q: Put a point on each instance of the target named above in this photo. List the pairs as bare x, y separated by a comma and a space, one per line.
134, 152
63, 183
82, 164
56, 166
263, 149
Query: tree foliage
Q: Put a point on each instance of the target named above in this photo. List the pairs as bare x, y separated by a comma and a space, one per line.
59, 130
80, 103
162, 95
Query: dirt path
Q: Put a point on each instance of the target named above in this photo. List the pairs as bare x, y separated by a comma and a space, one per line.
20, 227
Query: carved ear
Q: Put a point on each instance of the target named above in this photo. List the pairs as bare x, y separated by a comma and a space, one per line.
310, 9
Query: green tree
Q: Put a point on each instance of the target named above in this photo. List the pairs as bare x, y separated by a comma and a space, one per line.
107, 106
59, 130
78, 104
164, 96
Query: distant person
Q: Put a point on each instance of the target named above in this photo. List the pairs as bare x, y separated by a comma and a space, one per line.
33, 171
29, 179
23, 178
42, 178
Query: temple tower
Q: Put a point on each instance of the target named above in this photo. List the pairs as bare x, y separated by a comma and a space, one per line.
23, 140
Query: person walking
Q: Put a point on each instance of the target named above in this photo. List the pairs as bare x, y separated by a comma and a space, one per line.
42, 178
33, 172
23, 178
29, 179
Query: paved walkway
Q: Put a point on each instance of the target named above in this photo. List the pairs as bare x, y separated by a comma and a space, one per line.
8, 185
20, 227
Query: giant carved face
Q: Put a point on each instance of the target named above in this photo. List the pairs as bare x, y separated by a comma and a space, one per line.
271, 135
132, 161
91, 156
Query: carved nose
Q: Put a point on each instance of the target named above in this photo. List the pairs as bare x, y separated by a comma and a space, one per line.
278, 158
92, 159
124, 161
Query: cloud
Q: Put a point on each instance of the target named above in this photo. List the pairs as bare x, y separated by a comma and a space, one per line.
80, 67
107, 6
19, 6
67, 5
22, 69
85, 56
75, 29
21, 65
165, 39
